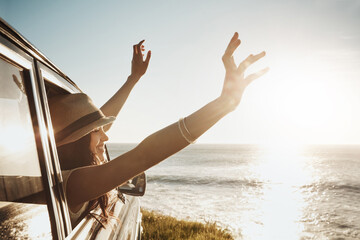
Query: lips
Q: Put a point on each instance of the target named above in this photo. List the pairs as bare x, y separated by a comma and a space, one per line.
101, 148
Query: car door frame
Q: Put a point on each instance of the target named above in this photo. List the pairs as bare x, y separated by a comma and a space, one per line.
17, 54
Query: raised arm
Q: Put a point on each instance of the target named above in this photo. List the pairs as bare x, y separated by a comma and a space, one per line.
98, 180
138, 68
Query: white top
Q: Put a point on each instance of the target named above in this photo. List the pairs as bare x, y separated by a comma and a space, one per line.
73, 216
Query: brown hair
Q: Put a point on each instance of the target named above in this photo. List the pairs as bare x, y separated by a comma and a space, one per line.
77, 154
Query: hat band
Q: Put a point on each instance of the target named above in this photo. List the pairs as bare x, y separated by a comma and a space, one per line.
78, 124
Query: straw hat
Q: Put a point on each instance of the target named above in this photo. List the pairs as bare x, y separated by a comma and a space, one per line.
73, 116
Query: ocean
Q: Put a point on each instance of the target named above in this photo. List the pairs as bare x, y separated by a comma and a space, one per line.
259, 192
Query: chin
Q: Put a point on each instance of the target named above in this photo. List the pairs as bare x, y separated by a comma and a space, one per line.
101, 156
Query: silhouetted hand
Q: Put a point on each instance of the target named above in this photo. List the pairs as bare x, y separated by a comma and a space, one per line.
235, 82
138, 65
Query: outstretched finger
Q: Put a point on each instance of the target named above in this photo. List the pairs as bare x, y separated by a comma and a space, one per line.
134, 51
148, 56
234, 38
227, 58
250, 60
232, 47
256, 75
138, 48
233, 44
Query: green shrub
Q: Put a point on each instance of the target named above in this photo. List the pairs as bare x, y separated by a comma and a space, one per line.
160, 227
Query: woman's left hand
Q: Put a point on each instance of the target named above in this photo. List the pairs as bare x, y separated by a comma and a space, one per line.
235, 82
138, 65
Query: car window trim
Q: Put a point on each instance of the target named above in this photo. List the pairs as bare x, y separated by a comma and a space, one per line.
14, 55
54, 78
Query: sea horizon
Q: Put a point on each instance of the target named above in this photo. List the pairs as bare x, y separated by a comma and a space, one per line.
254, 144
260, 193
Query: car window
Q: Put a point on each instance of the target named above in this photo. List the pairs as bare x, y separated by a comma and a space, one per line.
21, 188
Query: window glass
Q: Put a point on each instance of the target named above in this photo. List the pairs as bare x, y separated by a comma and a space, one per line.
20, 176
17, 146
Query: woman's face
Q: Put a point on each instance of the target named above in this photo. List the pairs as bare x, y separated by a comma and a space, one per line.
97, 142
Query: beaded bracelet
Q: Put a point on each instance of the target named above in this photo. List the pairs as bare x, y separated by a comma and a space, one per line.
186, 129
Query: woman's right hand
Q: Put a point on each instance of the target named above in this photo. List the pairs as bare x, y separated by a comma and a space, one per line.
235, 82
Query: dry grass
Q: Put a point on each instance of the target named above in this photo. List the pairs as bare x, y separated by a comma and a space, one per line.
157, 226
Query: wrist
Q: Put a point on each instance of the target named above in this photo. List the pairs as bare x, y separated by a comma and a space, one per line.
133, 78
227, 103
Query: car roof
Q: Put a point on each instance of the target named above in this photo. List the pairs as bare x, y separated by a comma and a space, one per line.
20, 40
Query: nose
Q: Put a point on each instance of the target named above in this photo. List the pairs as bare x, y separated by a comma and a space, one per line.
104, 137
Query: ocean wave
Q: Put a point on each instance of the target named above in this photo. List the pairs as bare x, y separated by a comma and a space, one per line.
210, 181
216, 181
355, 188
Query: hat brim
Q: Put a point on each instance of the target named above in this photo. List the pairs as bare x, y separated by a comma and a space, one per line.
76, 135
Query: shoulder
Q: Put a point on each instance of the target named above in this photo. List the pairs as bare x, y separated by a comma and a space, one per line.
65, 176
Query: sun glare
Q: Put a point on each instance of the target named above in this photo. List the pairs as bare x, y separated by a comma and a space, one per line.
17, 138
37, 223
282, 163
282, 170
304, 100
18, 144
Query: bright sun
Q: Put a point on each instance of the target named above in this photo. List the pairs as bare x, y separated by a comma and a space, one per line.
304, 103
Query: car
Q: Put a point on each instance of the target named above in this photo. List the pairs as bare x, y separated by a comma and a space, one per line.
32, 200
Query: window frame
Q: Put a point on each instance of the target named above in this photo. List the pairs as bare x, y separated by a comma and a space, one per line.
19, 57
47, 74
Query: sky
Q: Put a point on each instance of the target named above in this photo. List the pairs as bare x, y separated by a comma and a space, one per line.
310, 95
